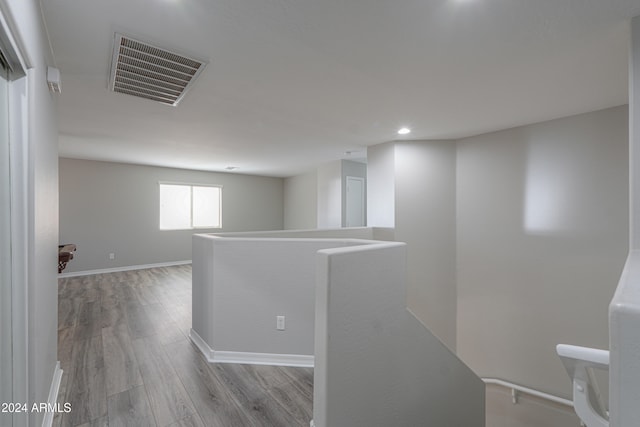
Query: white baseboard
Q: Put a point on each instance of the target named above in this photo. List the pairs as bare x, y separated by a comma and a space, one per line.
124, 268
298, 360
213, 356
202, 345
47, 421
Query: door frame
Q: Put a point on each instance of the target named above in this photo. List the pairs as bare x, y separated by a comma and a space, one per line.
19, 208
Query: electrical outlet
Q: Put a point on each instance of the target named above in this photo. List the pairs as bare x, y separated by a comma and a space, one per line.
280, 323
112, 256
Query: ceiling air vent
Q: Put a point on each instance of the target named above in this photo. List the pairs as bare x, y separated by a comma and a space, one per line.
146, 71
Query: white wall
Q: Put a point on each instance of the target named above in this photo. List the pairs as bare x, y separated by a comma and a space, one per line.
114, 208
366, 233
381, 185
318, 198
412, 186
330, 195
542, 237
634, 133
242, 281
540, 216
240, 285
344, 301
425, 215
376, 364
27, 28
624, 310
301, 201
43, 262
530, 411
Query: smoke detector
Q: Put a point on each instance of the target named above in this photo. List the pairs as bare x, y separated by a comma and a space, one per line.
140, 69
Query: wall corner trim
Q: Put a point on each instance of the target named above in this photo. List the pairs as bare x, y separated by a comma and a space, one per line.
202, 345
212, 356
47, 421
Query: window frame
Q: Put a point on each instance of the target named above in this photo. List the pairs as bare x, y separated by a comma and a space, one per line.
190, 185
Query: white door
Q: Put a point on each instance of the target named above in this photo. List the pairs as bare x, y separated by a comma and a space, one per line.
355, 209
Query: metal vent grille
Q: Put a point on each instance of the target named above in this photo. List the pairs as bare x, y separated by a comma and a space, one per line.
142, 70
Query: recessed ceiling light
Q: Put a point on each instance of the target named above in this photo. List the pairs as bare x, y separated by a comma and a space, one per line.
404, 131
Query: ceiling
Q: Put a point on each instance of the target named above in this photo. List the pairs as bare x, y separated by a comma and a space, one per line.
293, 83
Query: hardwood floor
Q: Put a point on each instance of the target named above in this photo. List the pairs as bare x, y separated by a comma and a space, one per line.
127, 360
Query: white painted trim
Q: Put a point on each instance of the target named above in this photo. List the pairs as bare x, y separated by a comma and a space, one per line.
296, 360
299, 360
47, 421
202, 345
527, 390
19, 144
123, 268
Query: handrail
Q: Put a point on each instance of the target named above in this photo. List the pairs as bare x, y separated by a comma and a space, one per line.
587, 400
527, 390
519, 388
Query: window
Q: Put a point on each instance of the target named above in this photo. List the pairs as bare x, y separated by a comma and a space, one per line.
185, 207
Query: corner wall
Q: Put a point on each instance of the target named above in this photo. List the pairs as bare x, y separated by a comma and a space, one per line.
412, 187
329, 202
114, 208
425, 216
538, 242
317, 199
382, 367
243, 281
542, 237
301, 201
381, 185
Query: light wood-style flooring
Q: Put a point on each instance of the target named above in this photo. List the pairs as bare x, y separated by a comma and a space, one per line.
127, 361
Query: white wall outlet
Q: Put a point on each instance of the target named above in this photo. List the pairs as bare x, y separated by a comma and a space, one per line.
112, 256
280, 323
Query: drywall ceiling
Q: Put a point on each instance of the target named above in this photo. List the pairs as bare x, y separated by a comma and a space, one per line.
293, 83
